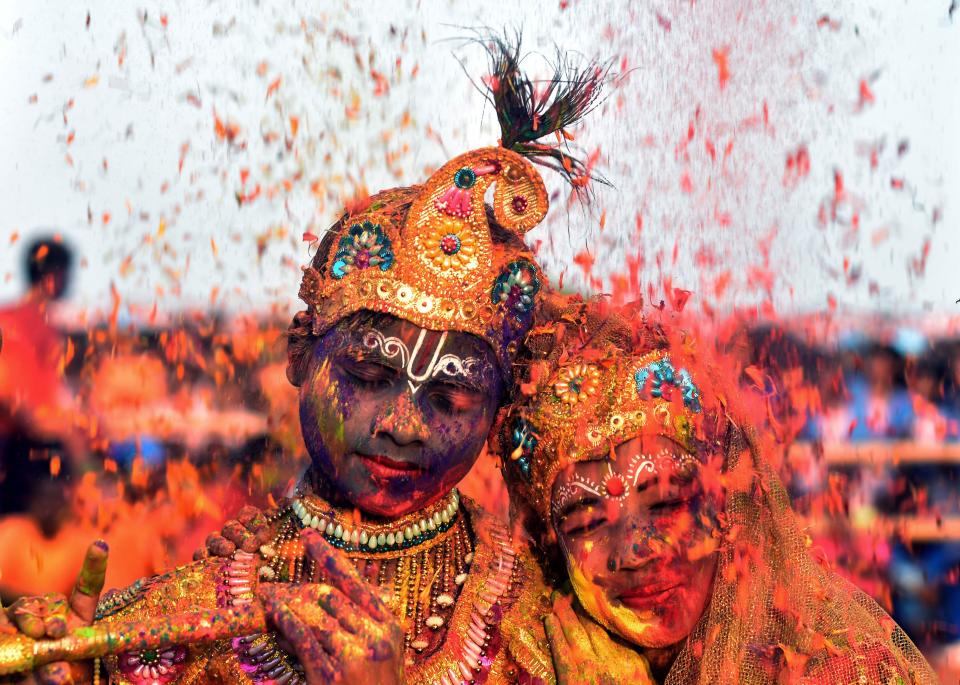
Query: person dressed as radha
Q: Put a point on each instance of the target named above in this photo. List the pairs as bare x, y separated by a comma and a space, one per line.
648, 495
376, 570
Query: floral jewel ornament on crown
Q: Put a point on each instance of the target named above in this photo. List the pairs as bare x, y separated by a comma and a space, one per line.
590, 401
428, 254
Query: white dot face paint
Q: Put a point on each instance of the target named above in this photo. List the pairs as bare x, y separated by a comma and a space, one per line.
615, 485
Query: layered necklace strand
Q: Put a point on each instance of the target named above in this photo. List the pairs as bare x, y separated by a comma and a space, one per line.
427, 554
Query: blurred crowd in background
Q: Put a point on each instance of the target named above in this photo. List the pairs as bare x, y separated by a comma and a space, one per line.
152, 435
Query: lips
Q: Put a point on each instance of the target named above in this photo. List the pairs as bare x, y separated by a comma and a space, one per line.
646, 596
384, 467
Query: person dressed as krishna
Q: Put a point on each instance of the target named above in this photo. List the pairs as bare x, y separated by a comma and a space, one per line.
375, 570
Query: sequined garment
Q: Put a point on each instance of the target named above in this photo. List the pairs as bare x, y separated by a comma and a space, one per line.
492, 633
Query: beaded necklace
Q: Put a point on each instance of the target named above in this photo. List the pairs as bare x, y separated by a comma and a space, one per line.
406, 532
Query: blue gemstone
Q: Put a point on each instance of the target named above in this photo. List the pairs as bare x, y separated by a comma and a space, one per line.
464, 178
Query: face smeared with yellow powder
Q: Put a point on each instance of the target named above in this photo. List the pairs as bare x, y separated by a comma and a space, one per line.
638, 534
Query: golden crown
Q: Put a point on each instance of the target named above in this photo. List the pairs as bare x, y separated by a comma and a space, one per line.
588, 406
440, 267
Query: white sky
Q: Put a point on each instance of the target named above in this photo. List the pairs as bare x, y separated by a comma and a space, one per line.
705, 220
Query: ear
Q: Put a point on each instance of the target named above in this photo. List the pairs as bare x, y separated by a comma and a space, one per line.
294, 374
298, 360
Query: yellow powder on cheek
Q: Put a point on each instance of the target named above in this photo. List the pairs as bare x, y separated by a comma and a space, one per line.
702, 547
325, 401
619, 620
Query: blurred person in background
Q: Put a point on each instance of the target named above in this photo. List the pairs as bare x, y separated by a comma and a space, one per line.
951, 388
39, 449
879, 405
36, 433
923, 573
926, 380
34, 401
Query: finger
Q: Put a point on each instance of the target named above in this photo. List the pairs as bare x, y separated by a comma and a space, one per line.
558, 641
340, 572
251, 543
324, 627
264, 536
570, 624
55, 616
248, 514
236, 532
89, 585
327, 599
371, 570
254, 520
336, 604
27, 615
564, 661
200, 554
603, 646
57, 673
317, 666
219, 546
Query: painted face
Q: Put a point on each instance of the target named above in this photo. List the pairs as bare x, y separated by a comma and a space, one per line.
637, 536
394, 415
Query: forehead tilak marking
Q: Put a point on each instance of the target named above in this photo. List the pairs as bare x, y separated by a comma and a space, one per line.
638, 464
449, 364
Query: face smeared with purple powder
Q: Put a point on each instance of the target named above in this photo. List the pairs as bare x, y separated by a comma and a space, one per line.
394, 415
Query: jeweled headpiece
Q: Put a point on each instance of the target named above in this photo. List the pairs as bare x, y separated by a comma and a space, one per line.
429, 253
593, 395
439, 267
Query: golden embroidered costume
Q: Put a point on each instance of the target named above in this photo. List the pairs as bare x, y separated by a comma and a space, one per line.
775, 614
493, 628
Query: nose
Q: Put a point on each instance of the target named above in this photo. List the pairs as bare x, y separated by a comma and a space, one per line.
636, 545
402, 421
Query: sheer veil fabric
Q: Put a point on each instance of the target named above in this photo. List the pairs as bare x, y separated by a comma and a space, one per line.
776, 615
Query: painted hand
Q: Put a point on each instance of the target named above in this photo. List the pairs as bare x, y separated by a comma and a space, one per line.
52, 616
339, 630
247, 532
584, 652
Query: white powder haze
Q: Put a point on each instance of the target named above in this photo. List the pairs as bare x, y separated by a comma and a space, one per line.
109, 135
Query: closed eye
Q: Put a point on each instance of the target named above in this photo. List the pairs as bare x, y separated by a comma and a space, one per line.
580, 517
454, 399
369, 373
584, 528
669, 505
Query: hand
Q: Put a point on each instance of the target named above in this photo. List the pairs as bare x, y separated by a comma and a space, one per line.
339, 630
584, 652
247, 532
52, 616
